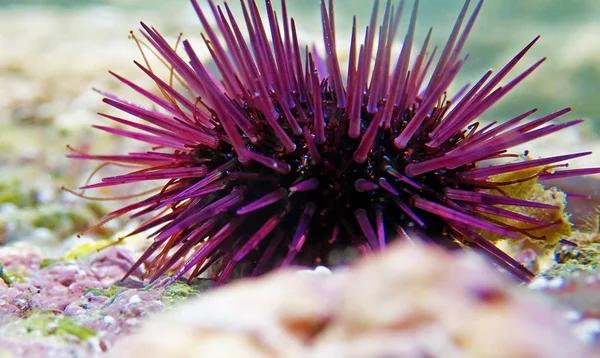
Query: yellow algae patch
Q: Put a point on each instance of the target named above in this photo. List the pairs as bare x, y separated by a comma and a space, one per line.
523, 185
81, 250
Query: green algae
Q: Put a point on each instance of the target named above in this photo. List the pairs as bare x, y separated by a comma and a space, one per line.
568, 270
4, 276
570, 261
109, 292
61, 221
48, 261
14, 193
178, 292
9, 277
95, 208
30, 208
59, 325
584, 254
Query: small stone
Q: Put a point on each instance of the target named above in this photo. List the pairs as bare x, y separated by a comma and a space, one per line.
556, 283
539, 283
20, 303
132, 322
95, 345
74, 309
319, 271
135, 299
109, 321
573, 315
588, 330
51, 327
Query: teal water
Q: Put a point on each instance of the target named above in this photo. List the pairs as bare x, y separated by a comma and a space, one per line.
570, 39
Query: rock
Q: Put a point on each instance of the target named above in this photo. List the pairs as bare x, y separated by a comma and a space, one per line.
69, 308
410, 301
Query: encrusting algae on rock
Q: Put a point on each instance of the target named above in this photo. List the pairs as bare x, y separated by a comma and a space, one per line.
553, 222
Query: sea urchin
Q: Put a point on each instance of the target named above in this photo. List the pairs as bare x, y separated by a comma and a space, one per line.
285, 160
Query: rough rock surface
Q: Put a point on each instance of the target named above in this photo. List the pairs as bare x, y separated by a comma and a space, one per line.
72, 308
406, 302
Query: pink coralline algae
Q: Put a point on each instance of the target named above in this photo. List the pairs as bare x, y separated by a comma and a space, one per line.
79, 295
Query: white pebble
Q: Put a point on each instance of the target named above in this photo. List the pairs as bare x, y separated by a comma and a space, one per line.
135, 299
51, 327
42, 233
572, 315
94, 344
8, 208
588, 329
132, 321
539, 283
20, 303
319, 271
45, 196
556, 282
109, 321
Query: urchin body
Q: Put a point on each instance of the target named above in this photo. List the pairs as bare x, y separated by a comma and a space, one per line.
282, 161
331, 202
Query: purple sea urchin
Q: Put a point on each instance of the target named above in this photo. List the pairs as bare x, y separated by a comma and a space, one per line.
284, 160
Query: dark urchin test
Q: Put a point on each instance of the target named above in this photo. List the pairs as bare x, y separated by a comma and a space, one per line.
327, 197
281, 160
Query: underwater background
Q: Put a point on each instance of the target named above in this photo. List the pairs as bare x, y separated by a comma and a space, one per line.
53, 52
570, 38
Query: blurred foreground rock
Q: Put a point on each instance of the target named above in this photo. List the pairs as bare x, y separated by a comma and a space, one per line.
407, 302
